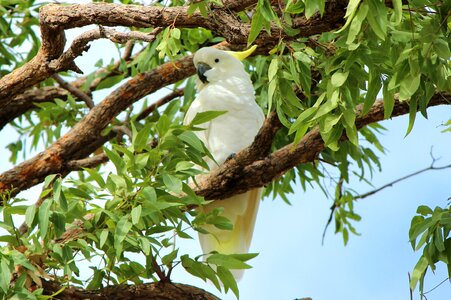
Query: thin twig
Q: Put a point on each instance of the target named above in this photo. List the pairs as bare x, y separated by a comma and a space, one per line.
333, 207
431, 167
335, 204
146, 112
444, 280
160, 273
74, 91
89, 162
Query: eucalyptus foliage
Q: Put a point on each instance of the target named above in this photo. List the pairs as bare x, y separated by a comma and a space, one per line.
140, 202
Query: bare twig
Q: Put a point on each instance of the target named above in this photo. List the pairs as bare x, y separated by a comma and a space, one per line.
160, 272
89, 162
74, 91
442, 282
80, 44
146, 112
333, 207
390, 184
339, 186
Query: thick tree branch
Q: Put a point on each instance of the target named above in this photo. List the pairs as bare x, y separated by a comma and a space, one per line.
156, 290
233, 178
26, 100
86, 136
55, 19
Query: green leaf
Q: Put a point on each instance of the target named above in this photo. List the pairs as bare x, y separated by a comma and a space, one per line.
389, 101
409, 85
193, 267
191, 139
227, 261
136, 214
96, 281
377, 18
44, 214
109, 82
338, 78
424, 210
329, 105
374, 86
268, 13
175, 33
96, 176
311, 6
303, 118
59, 221
58, 195
413, 105
173, 183
22, 260
103, 237
5, 275
141, 138
228, 280
30, 215
122, 229
438, 239
211, 275
350, 12
206, 116
273, 68
418, 272
244, 256
116, 160
356, 23
257, 25
169, 258
397, 7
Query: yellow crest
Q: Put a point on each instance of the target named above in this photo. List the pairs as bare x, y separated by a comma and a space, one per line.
241, 55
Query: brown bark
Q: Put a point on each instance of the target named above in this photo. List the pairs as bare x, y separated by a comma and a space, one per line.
82, 139
156, 290
54, 19
85, 137
237, 175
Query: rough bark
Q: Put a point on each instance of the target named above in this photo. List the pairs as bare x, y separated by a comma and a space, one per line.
247, 170
157, 291
250, 168
85, 137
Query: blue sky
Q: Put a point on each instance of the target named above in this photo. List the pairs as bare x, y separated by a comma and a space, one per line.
293, 263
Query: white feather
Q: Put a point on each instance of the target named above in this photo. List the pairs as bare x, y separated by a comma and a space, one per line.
230, 89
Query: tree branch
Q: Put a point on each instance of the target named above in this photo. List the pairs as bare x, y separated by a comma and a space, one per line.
171, 96
25, 101
74, 91
155, 290
85, 136
55, 19
390, 184
233, 178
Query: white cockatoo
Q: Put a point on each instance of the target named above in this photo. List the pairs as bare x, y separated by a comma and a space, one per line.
224, 85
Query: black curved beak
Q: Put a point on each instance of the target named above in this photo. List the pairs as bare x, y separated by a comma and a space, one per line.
201, 69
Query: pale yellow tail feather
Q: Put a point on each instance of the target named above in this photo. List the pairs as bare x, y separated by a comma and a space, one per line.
241, 210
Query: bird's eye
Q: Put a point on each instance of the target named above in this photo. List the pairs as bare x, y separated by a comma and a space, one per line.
216, 60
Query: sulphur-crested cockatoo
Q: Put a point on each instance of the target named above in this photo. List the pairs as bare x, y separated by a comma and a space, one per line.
224, 85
